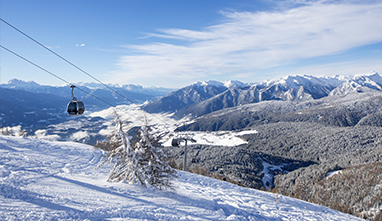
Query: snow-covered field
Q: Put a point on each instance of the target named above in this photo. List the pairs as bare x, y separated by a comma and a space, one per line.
42, 180
164, 125
219, 138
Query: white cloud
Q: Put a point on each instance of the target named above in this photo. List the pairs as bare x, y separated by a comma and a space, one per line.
51, 47
249, 41
80, 45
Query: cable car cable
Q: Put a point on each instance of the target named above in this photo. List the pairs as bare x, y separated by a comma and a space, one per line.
78, 68
30, 62
67, 61
67, 82
36, 65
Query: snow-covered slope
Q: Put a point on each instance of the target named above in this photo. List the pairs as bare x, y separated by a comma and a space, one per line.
187, 96
41, 180
361, 83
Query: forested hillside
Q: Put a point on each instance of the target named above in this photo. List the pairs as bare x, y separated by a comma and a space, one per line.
356, 190
298, 143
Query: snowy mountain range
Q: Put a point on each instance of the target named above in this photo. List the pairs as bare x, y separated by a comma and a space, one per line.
193, 101
205, 97
136, 93
33, 105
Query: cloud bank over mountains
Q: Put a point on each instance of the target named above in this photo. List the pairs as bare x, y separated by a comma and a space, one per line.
244, 43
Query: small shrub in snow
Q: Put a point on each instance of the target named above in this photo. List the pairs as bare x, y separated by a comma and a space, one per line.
7, 131
200, 170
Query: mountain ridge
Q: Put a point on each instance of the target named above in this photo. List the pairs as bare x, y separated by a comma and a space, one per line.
192, 102
136, 93
32, 105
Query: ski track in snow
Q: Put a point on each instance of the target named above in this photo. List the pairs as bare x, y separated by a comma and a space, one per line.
43, 180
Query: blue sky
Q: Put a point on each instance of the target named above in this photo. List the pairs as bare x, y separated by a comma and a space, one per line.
173, 43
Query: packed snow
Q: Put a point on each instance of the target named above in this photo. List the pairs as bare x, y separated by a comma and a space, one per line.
43, 180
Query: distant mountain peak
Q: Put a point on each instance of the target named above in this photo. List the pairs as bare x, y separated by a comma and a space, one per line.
233, 84
373, 76
227, 84
372, 73
17, 82
208, 83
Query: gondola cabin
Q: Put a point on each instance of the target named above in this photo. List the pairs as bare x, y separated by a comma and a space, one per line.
75, 107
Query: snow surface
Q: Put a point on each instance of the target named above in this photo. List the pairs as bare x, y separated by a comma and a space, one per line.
268, 173
332, 173
220, 138
42, 180
135, 115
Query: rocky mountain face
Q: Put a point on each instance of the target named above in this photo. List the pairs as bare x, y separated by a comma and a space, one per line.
188, 96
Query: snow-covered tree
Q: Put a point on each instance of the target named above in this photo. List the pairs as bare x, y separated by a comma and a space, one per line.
122, 154
141, 163
153, 161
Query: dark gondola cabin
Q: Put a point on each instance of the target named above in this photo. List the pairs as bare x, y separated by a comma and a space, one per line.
75, 107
